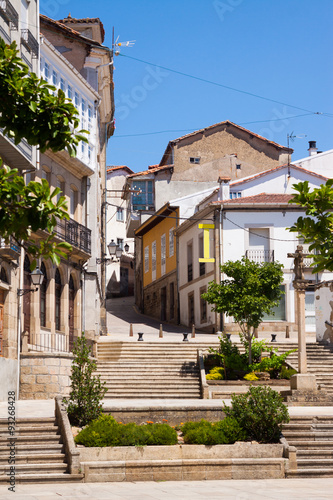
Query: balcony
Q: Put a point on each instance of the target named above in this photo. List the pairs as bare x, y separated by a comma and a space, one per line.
75, 234
9, 14
9, 250
260, 256
30, 42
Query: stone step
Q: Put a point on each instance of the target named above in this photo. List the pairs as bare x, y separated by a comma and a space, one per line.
43, 478
309, 472
310, 445
32, 468
35, 430
33, 458
311, 435
310, 454
320, 463
28, 440
40, 449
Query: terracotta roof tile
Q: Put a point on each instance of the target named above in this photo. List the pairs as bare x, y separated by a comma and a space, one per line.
67, 29
258, 199
151, 170
112, 168
85, 20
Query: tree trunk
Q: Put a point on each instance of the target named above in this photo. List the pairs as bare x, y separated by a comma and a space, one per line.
250, 345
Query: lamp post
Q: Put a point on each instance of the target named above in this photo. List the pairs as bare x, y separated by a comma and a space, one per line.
37, 278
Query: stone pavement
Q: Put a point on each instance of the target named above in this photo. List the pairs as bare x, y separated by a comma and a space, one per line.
121, 312
270, 489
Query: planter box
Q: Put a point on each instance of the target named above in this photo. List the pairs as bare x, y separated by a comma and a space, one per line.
241, 460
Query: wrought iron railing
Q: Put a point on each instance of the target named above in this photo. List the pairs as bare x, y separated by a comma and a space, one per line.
189, 272
9, 13
12, 245
260, 255
74, 233
30, 42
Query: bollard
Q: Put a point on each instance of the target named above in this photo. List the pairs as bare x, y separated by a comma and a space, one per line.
161, 332
273, 337
287, 332
131, 330
140, 334
193, 332
228, 335
185, 339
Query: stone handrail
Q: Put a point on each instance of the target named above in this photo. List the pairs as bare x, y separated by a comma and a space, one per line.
205, 394
290, 453
72, 454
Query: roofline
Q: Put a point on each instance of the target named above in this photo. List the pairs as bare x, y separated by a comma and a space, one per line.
154, 219
119, 167
307, 158
266, 172
151, 171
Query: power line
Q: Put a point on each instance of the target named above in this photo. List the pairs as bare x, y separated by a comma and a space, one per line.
256, 234
221, 85
189, 130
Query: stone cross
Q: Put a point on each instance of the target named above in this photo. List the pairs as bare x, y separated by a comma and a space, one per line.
300, 285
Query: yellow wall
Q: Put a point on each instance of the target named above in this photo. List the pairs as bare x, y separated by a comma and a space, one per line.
163, 227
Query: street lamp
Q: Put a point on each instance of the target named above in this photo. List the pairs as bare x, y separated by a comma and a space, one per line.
126, 247
37, 278
115, 252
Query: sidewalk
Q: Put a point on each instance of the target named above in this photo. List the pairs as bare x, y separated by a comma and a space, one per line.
269, 489
121, 312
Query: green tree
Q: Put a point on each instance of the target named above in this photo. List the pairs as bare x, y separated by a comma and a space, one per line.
31, 109
251, 290
87, 390
317, 227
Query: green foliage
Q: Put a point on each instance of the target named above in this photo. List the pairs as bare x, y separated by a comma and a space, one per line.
27, 208
251, 290
260, 412
287, 373
105, 431
29, 110
216, 373
226, 431
317, 227
251, 377
257, 348
273, 364
87, 391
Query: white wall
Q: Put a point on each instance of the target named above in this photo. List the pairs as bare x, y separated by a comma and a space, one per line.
321, 163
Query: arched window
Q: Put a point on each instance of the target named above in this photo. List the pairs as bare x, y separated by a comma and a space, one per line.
43, 289
71, 305
57, 299
3, 275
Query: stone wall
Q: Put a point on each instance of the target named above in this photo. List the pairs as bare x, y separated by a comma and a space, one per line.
45, 375
152, 298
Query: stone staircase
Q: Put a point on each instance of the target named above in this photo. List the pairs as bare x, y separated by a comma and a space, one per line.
313, 438
39, 453
149, 369
320, 363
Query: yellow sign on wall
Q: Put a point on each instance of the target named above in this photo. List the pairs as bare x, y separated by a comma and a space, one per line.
206, 228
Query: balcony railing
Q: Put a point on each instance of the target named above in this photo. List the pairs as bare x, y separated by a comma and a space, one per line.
189, 272
30, 42
74, 233
9, 14
260, 256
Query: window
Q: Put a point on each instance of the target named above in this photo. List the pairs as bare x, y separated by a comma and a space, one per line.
202, 265
46, 71
120, 243
163, 254
83, 147
89, 151
235, 194
57, 280
143, 199
238, 166
171, 242
120, 214
203, 307
153, 260
195, 160
69, 92
46, 174
189, 262
73, 202
90, 116
76, 100
62, 84
54, 77
43, 288
61, 186
146, 259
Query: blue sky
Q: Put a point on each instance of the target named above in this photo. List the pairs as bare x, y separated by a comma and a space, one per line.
277, 49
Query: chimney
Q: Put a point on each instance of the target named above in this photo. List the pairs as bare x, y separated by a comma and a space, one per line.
313, 150
224, 192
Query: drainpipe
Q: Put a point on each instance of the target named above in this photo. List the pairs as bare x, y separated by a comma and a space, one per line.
19, 316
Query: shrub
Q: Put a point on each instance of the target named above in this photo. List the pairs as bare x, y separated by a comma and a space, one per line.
273, 364
105, 431
251, 376
87, 391
287, 373
226, 431
216, 373
260, 412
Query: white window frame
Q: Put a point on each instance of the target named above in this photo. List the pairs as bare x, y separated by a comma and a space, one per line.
153, 260
120, 214
171, 242
163, 254
147, 259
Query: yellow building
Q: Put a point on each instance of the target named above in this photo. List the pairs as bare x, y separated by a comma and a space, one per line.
157, 254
